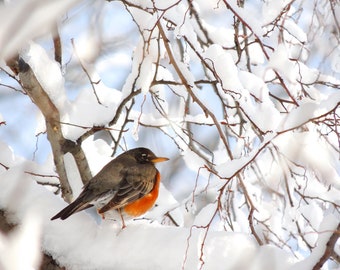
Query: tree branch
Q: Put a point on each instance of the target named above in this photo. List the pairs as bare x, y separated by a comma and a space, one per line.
39, 97
329, 248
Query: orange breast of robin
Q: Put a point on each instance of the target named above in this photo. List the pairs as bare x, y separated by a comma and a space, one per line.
143, 204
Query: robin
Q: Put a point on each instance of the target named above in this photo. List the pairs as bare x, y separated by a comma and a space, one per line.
128, 183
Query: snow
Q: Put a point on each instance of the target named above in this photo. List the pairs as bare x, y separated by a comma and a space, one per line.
192, 160
257, 54
279, 61
23, 243
223, 64
287, 161
80, 243
6, 155
221, 35
73, 174
262, 112
48, 74
336, 61
204, 216
229, 168
272, 9
80, 111
327, 227
314, 214
296, 32
302, 148
147, 72
308, 110
252, 21
98, 152
41, 16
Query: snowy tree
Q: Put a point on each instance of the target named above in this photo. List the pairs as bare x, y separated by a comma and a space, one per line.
242, 96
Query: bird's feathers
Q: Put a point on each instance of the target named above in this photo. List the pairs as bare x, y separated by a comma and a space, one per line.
127, 178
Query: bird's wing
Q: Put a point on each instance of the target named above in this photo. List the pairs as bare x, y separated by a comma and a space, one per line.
98, 191
135, 184
72, 208
85, 200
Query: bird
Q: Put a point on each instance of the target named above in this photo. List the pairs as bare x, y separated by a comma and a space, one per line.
129, 183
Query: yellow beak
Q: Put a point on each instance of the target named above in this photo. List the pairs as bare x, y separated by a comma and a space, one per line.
159, 159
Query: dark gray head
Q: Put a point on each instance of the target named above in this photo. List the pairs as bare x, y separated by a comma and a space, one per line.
144, 155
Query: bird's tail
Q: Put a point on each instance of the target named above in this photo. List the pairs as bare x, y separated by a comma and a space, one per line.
69, 210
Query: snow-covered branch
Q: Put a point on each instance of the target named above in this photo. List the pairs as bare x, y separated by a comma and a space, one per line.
243, 98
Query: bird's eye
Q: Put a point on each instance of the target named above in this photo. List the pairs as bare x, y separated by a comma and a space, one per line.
143, 157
